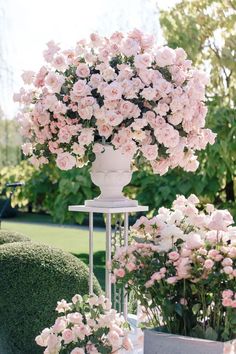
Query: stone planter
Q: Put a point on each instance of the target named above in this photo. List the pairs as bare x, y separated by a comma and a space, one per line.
163, 343
111, 172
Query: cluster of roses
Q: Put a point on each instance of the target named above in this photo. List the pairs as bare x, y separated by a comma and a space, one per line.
123, 91
177, 248
88, 325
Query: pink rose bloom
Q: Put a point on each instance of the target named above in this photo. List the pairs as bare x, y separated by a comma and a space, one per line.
142, 60
28, 77
130, 47
220, 220
77, 298
65, 161
113, 118
227, 302
150, 152
27, 149
98, 148
160, 167
59, 325
82, 70
44, 118
86, 112
156, 276
54, 81
42, 339
194, 241
208, 264
171, 280
165, 56
59, 63
68, 336
80, 89
228, 270
130, 266
113, 337
113, 91
75, 317
227, 294
119, 272
173, 256
104, 129
227, 262
77, 351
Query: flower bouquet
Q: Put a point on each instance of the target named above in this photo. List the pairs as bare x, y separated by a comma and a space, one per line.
181, 267
124, 93
87, 325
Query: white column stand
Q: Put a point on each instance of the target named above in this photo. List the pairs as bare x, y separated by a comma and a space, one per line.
108, 254
126, 239
90, 253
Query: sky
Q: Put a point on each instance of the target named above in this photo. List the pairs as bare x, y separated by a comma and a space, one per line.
27, 25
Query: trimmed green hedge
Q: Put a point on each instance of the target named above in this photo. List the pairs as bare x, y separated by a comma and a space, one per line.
7, 236
33, 278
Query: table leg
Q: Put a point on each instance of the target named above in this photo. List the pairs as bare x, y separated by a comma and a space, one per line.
90, 253
108, 255
126, 239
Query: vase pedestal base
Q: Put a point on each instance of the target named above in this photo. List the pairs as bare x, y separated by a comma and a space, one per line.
111, 202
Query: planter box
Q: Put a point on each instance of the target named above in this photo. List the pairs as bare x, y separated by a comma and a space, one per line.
163, 343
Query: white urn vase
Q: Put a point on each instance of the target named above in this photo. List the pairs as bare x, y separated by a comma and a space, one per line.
111, 172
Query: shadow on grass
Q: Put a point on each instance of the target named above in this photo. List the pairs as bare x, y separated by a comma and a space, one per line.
99, 259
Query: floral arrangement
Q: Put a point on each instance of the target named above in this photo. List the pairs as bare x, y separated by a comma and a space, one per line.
181, 266
87, 325
123, 91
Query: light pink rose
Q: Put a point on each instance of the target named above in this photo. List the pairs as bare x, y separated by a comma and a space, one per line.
113, 91
165, 56
77, 350
65, 161
150, 152
68, 336
59, 63
75, 317
119, 272
173, 256
227, 294
227, 302
59, 325
28, 77
228, 270
208, 264
171, 280
64, 135
82, 70
142, 60
130, 47
80, 89
113, 118
194, 241
220, 220
227, 262
54, 81
42, 339
27, 149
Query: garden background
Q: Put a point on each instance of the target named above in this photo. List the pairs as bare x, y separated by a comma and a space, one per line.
206, 30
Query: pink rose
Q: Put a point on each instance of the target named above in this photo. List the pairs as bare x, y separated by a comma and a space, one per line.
173, 256
227, 262
59, 63
227, 294
28, 77
150, 152
68, 336
220, 220
54, 81
142, 60
65, 161
80, 89
227, 302
75, 317
82, 70
119, 272
194, 241
27, 149
77, 351
171, 280
165, 56
113, 118
59, 325
113, 91
208, 264
130, 47
228, 270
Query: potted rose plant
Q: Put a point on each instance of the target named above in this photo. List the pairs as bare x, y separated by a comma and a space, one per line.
87, 325
181, 266
112, 99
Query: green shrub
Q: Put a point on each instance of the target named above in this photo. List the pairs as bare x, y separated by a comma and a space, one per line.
7, 236
33, 278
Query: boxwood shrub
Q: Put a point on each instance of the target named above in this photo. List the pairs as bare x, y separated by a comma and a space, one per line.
33, 278
7, 236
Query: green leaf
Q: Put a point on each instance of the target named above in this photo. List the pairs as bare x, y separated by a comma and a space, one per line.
211, 334
196, 308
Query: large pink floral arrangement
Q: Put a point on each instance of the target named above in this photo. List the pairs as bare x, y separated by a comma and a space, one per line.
182, 269
87, 325
123, 91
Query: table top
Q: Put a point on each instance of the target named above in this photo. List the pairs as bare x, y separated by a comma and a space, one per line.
106, 210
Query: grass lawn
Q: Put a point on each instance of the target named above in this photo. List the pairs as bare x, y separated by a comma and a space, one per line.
73, 239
